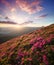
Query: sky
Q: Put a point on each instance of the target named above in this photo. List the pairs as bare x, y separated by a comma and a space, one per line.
27, 12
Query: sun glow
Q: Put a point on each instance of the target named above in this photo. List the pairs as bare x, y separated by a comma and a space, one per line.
17, 18
9, 25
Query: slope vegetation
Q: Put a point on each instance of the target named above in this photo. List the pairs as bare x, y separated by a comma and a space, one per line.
35, 48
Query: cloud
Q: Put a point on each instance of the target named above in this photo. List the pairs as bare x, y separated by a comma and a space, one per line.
4, 17
7, 18
41, 16
29, 6
1, 16
25, 23
3, 10
13, 9
8, 5
8, 22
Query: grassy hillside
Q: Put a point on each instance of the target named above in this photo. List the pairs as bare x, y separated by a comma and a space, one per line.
35, 48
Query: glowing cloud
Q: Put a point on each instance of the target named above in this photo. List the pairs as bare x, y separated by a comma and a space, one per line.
29, 6
13, 9
1, 16
25, 23
7, 5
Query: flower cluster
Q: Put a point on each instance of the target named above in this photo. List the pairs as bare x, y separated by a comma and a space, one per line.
37, 43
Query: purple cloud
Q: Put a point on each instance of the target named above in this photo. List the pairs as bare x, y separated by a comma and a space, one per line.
29, 6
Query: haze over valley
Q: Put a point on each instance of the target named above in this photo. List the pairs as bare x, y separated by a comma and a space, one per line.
9, 31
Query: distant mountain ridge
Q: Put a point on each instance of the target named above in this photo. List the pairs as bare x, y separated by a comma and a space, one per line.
34, 48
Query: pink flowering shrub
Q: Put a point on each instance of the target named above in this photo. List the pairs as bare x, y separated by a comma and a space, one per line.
40, 42
45, 60
36, 48
32, 41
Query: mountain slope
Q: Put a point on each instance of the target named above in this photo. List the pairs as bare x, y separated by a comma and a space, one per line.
35, 48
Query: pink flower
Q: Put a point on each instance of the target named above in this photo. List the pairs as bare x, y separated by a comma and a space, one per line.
36, 44
50, 38
20, 53
45, 60
39, 38
37, 52
29, 59
11, 53
32, 41
44, 42
32, 48
26, 53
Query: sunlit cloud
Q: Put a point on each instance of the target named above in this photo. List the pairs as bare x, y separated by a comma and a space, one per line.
29, 6
13, 9
27, 22
6, 3
1, 16
41, 16
8, 6
3, 10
